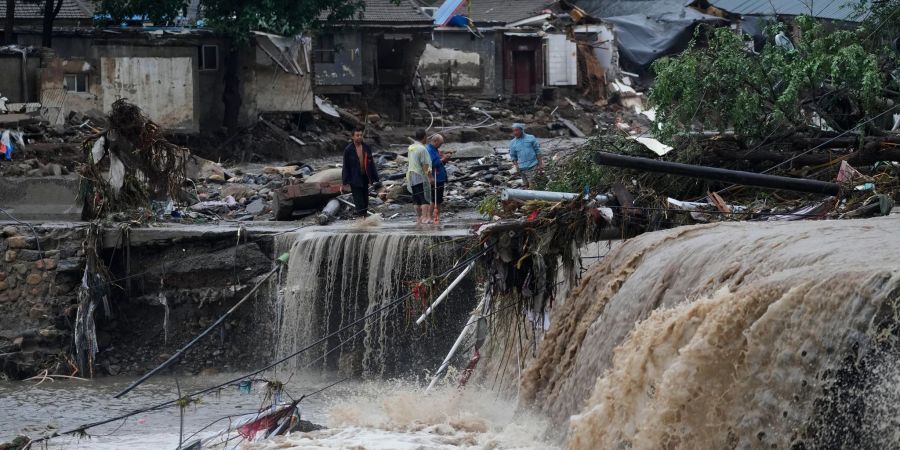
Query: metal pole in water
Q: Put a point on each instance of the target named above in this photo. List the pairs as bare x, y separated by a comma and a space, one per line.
445, 293
472, 320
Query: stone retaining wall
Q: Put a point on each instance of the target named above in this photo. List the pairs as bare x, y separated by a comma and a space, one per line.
40, 272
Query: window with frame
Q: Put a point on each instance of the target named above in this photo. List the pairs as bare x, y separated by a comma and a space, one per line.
76, 82
323, 49
209, 57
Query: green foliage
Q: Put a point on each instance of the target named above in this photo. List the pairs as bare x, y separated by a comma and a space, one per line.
156, 11
725, 86
578, 170
489, 206
236, 18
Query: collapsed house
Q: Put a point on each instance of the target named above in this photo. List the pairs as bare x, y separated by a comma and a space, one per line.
372, 59
176, 74
504, 48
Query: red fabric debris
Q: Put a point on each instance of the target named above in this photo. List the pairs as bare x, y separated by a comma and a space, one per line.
470, 368
263, 423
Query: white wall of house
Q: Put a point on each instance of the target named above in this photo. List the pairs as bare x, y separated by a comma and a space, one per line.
463, 68
562, 61
163, 87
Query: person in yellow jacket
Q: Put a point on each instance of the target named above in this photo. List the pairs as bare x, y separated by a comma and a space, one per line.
418, 177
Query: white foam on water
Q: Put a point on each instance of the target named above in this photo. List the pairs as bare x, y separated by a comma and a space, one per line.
398, 415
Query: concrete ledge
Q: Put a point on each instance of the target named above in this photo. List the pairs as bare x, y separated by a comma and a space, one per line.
41, 198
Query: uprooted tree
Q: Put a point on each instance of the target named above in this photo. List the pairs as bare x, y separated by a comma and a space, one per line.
129, 165
237, 19
806, 81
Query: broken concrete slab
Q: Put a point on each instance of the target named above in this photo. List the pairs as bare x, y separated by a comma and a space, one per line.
327, 175
199, 168
469, 150
41, 198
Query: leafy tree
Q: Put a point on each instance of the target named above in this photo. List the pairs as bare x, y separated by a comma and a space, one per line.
831, 75
49, 9
156, 11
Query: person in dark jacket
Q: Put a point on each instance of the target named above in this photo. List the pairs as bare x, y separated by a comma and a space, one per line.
359, 171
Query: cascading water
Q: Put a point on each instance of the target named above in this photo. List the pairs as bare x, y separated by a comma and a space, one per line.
750, 335
336, 277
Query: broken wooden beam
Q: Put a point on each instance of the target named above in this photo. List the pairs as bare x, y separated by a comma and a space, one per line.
284, 135
572, 127
717, 174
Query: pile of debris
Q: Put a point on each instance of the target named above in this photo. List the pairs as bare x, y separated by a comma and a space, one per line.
644, 192
464, 120
31, 146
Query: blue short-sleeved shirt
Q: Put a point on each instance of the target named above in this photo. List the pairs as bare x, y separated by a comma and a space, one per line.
436, 164
525, 150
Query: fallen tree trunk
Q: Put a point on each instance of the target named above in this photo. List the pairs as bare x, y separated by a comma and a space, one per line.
717, 174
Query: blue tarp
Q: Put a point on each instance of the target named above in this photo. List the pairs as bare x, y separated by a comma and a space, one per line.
648, 29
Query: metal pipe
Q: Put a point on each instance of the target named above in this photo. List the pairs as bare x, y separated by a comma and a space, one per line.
329, 211
717, 174
522, 194
445, 293
473, 319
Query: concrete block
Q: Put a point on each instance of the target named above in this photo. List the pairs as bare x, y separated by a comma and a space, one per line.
41, 198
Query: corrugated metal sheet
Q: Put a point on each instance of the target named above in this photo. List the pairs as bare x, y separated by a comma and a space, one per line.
822, 9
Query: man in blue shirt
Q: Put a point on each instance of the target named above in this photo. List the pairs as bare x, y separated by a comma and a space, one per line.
525, 153
440, 174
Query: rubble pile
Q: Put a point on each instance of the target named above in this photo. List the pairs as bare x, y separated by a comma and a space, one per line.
42, 149
462, 119
653, 200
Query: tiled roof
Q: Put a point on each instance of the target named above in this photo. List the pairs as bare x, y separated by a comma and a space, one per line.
505, 11
386, 11
71, 9
832, 9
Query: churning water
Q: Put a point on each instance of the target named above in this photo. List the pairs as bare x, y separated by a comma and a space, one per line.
748, 335
726, 336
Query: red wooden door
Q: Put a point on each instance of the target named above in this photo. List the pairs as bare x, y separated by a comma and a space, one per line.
523, 76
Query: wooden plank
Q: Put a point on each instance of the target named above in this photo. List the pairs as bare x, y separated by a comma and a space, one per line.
571, 126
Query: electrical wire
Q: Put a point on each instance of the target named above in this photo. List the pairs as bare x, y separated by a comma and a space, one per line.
219, 386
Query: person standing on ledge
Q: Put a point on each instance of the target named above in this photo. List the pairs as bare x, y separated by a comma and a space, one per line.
418, 177
440, 175
359, 172
525, 154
